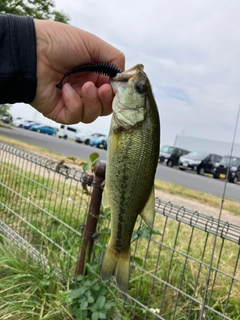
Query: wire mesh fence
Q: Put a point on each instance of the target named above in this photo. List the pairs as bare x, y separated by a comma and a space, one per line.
43, 201
187, 267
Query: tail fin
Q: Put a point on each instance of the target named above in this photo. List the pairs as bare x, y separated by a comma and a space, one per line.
118, 265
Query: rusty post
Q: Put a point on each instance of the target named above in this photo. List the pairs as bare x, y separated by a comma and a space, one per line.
92, 218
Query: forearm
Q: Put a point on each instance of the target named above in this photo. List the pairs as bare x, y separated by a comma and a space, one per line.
18, 79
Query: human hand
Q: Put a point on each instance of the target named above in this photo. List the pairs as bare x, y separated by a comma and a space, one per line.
84, 96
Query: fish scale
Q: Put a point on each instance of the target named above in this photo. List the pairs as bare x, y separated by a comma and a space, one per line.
129, 185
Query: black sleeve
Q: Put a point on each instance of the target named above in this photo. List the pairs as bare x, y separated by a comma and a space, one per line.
18, 79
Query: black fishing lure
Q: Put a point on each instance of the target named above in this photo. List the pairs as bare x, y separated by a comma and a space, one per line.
103, 68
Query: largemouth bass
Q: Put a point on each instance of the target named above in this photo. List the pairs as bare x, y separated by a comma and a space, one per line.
132, 158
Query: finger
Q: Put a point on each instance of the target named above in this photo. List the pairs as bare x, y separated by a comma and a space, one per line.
106, 95
73, 109
91, 101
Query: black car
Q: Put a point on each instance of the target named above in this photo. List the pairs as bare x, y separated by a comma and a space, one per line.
221, 169
170, 155
6, 119
201, 162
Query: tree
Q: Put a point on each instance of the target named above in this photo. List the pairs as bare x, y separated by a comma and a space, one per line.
38, 9
4, 110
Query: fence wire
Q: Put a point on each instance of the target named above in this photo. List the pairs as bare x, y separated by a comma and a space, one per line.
43, 207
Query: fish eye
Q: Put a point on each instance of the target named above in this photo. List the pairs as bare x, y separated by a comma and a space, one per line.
140, 87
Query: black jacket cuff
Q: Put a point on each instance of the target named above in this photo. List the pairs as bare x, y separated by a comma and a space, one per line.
18, 60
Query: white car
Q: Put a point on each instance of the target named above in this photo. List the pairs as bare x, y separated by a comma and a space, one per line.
68, 132
19, 122
85, 137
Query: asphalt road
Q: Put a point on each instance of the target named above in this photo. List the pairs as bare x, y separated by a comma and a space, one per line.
190, 180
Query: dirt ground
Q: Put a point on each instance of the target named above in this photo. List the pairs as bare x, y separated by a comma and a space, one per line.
202, 208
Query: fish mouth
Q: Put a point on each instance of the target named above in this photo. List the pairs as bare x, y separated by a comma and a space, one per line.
125, 76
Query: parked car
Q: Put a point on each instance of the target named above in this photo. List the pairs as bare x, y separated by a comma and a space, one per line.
86, 137
19, 122
28, 125
98, 142
82, 137
221, 169
103, 143
45, 129
170, 155
16, 120
201, 162
6, 119
67, 132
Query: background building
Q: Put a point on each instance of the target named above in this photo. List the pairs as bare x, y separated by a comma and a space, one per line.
213, 146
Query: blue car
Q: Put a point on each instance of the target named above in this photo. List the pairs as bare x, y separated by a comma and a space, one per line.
29, 125
45, 129
99, 142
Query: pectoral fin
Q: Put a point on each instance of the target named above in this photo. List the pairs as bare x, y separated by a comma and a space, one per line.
105, 201
148, 212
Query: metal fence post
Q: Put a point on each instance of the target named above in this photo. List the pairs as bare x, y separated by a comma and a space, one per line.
92, 218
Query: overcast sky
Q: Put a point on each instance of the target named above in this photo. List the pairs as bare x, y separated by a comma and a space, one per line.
191, 53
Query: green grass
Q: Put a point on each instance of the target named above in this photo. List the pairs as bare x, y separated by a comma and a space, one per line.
28, 291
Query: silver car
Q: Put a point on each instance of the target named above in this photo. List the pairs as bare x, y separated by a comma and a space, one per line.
199, 161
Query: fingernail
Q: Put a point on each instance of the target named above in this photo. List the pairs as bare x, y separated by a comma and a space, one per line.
69, 89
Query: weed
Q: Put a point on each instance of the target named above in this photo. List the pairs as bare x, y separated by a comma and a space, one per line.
91, 298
